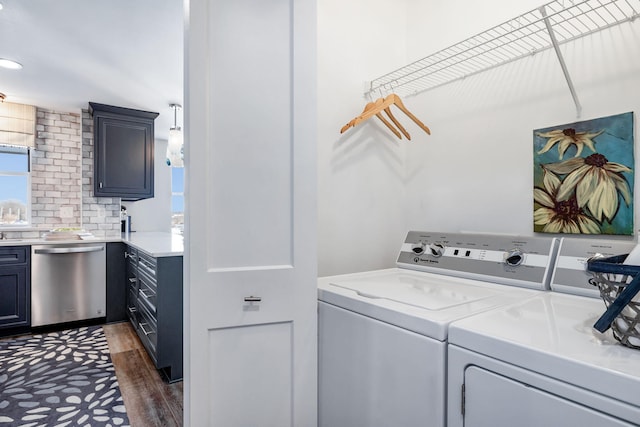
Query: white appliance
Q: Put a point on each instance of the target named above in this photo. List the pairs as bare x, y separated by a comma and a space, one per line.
383, 334
539, 362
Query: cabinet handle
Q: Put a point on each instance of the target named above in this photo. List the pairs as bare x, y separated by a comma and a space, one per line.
143, 292
132, 310
100, 185
70, 250
132, 279
147, 268
144, 331
252, 299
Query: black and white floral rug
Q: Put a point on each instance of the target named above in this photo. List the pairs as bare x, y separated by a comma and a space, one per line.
59, 379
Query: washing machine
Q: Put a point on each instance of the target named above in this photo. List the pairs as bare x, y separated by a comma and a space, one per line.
539, 362
383, 334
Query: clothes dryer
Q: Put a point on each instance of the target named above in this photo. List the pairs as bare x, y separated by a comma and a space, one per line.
539, 362
383, 334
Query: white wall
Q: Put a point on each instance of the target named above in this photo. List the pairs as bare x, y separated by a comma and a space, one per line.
361, 173
475, 172
154, 214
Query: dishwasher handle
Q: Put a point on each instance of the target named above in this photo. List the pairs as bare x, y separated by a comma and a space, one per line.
72, 250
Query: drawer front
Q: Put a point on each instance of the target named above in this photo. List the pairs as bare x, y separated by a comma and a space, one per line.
147, 294
14, 255
132, 257
148, 330
148, 265
132, 309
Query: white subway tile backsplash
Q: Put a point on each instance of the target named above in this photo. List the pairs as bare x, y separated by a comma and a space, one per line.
61, 176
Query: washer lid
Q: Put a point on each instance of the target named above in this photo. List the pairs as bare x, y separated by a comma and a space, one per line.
421, 302
425, 292
552, 334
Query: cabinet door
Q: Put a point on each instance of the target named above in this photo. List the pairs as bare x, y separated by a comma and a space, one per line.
250, 247
123, 140
116, 283
14, 296
124, 159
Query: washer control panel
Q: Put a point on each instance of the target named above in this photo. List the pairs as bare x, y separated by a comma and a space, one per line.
511, 260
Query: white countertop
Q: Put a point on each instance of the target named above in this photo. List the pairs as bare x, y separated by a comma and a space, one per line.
156, 244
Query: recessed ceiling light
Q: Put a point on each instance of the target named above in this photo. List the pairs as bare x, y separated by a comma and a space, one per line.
1, 6
12, 65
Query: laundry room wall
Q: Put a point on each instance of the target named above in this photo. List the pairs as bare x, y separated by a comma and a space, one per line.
475, 172
361, 178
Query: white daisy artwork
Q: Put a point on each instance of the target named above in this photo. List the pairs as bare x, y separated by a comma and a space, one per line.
583, 177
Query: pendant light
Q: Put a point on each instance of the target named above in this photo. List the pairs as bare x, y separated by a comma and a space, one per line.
175, 149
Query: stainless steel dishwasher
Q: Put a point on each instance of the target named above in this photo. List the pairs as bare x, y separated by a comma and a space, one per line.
68, 282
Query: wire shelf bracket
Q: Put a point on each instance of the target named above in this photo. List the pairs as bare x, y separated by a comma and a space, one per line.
546, 27
563, 65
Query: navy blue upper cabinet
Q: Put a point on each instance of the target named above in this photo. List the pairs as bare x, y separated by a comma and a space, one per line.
123, 157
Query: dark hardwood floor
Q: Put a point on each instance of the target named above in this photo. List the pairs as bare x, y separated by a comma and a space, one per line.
149, 399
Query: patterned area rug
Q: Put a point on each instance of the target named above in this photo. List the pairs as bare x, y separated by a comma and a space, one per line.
59, 379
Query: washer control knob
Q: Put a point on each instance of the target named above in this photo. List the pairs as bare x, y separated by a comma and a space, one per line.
436, 249
513, 257
418, 248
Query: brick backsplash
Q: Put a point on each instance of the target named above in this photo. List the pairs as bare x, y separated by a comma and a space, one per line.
56, 162
62, 178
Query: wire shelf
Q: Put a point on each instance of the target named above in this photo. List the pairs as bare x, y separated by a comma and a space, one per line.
507, 42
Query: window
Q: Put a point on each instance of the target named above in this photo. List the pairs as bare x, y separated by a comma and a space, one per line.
177, 200
15, 187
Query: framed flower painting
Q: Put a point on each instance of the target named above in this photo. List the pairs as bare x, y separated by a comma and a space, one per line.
583, 176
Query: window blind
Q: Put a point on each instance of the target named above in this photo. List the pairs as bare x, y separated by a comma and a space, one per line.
17, 124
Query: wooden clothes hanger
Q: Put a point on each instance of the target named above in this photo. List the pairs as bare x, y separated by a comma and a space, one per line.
398, 103
397, 123
369, 107
384, 104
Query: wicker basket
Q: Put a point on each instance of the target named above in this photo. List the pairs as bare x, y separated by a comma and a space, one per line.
613, 278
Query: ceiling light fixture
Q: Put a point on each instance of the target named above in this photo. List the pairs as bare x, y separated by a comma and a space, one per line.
2, 97
175, 148
8, 63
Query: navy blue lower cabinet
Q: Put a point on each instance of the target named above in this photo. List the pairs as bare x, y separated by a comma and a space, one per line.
15, 289
154, 307
116, 284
